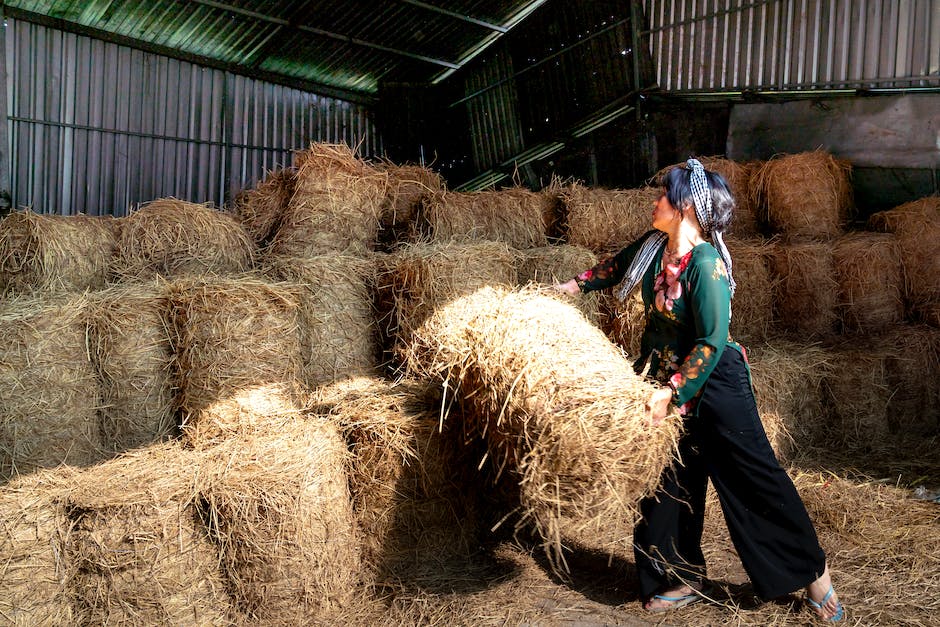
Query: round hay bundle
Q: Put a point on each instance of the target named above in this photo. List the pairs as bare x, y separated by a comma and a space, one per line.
805, 289
411, 487
752, 307
515, 216
408, 185
171, 238
623, 320
418, 278
916, 225
33, 588
859, 395
805, 195
49, 393
554, 264
42, 253
335, 205
913, 369
130, 349
558, 405
606, 220
277, 504
261, 208
231, 335
339, 337
135, 549
870, 281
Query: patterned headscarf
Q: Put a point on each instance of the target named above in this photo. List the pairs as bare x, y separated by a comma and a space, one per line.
702, 201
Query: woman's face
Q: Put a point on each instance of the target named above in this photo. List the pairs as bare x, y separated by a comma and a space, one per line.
664, 214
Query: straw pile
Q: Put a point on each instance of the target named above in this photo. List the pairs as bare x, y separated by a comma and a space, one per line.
913, 369
335, 205
557, 264
805, 195
916, 225
604, 221
408, 185
261, 208
805, 290
752, 307
135, 549
277, 504
230, 335
516, 216
870, 281
859, 395
560, 409
171, 238
48, 386
42, 253
130, 349
412, 494
337, 322
32, 573
623, 320
418, 278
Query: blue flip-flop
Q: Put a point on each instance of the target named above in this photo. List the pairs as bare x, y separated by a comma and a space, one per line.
840, 611
676, 602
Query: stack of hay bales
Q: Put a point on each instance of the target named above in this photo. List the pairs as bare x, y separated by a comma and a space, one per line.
408, 186
604, 221
261, 208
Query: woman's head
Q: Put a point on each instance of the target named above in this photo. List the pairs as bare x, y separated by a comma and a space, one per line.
678, 183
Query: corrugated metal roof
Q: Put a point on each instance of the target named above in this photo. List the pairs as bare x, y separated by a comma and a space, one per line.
343, 44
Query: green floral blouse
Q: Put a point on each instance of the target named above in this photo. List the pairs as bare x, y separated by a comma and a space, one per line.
688, 310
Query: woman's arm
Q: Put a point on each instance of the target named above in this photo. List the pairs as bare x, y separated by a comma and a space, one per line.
607, 272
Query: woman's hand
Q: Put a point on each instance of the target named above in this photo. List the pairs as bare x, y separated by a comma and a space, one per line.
658, 405
568, 287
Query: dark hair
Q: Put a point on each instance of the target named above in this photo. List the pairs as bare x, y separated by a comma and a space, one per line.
679, 193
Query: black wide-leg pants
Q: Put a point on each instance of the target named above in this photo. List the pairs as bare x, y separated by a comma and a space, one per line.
766, 518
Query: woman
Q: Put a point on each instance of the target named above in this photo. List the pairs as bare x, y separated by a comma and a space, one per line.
687, 287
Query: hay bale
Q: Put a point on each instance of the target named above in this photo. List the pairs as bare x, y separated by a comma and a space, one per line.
277, 504
172, 238
752, 307
559, 407
335, 205
916, 225
516, 216
411, 488
33, 576
408, 185
606, 220
859, 395
418, 278
805, 289
913, 369
555, 264
870, 281
339, 337
229, 336
49, 393
261, 208
805, 195
623, 321
135, 548
129, 345
43, 253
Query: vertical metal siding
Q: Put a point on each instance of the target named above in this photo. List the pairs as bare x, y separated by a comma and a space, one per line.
733, 45
99, 128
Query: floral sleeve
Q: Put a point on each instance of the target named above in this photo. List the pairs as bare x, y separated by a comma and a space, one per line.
710, 300
610, 271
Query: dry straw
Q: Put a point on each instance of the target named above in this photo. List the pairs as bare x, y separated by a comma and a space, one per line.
129, 345
623, 320
229, 336
338, 332
408, 186
913, 369
606, 220
516, 216
870, 281
805, 195
276, 502
412, 491
171, 238
752, 307
335, 205
805, 290
42, 253
557, 264
916, 225
48, 386
135, 549
559, 407
261, 208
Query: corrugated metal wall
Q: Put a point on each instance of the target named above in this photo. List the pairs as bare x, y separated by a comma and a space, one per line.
97, 128
733, 45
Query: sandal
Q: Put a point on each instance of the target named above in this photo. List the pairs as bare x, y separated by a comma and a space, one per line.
840, 611
678, 601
